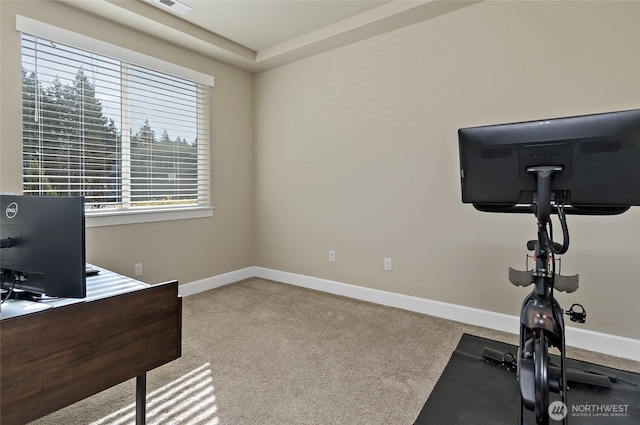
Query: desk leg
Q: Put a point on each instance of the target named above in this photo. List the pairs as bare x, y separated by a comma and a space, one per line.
141, 399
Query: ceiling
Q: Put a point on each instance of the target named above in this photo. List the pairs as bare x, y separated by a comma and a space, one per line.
257, 35
261, 24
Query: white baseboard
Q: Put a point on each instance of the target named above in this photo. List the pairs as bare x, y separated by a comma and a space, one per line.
589, 340
217, 281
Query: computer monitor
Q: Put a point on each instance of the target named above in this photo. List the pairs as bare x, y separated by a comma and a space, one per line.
43, 245
598, 157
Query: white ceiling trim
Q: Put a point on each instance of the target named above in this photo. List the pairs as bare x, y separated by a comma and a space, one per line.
166, 26
388, 17
53, 33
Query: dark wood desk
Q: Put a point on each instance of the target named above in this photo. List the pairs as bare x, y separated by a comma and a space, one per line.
53, 358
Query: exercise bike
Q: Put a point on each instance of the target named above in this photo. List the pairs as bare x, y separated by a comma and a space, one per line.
584, 165
541, 318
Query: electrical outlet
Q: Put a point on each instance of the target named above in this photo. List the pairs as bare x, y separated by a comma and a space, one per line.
138, 269
332, 256
388, 264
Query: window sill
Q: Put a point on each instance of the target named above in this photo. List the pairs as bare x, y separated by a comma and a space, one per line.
117, 218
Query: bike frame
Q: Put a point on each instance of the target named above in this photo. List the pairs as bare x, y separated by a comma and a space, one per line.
541, 318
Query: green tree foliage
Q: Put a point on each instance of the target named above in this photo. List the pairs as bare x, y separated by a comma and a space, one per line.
71, 148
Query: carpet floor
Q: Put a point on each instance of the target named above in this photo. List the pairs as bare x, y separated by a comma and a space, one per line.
263, 352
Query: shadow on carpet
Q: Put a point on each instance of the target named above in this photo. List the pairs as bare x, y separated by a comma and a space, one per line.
474, 391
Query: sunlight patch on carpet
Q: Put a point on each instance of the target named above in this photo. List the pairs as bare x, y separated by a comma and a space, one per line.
189, 400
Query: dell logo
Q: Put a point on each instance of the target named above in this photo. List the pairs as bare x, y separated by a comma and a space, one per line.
12, 210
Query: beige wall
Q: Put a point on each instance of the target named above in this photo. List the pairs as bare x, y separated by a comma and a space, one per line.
186, 249
356, 151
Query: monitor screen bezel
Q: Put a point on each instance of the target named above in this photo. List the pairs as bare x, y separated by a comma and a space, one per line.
599, 154
48, 252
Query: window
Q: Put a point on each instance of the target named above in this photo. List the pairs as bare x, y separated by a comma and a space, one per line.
126, 137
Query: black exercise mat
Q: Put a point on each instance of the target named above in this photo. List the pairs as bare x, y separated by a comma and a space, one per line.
474, 391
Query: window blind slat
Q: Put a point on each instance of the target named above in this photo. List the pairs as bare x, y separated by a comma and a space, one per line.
121, 135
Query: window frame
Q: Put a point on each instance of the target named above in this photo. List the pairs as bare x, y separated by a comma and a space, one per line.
97, 218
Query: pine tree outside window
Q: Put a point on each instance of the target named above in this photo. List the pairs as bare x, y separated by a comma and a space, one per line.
126, 137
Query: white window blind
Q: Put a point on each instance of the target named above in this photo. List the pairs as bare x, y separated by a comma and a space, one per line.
124, 136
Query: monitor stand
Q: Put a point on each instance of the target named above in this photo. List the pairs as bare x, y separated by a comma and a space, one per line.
21, 294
